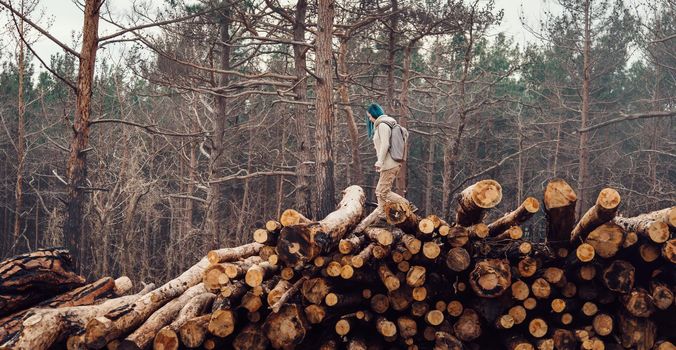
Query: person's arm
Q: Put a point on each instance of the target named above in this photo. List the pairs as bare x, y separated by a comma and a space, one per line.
384, 132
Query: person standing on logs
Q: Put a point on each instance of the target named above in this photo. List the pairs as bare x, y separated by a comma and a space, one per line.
390, 141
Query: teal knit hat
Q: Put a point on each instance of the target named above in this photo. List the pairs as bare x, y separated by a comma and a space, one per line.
376, 111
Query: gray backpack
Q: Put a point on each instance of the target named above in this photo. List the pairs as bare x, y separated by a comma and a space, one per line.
398, 141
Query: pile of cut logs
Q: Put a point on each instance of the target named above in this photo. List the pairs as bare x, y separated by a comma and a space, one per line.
405, 282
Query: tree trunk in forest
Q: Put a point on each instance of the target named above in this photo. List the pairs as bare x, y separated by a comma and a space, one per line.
21, 139
324, 105
452, 147
402, 178
429, 175
357, 172
303, 190
76, 169
391, 54
244, 206
217, 210
584, 115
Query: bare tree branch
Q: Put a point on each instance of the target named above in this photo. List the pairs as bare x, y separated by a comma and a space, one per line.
634, 116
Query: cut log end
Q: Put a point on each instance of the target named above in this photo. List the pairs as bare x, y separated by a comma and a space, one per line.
658, 232
538, 327
559, 194
585, 252
603, 324
487, 193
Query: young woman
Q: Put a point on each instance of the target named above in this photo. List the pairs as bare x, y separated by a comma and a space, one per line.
380, 131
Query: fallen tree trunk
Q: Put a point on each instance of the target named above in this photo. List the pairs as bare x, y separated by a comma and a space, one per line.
29, 278
475, 199
651, 225
167, 338
298, 244
603, 211
401, 215
525, 211
43, 327
103, 329
143, 335
85, 295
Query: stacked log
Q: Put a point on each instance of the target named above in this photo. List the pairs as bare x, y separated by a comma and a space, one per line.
409, 282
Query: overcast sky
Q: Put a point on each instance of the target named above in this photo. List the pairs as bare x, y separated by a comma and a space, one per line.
66, 20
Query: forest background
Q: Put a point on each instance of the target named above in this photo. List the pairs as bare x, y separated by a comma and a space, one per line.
215, 116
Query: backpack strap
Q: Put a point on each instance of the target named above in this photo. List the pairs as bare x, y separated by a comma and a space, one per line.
390, 124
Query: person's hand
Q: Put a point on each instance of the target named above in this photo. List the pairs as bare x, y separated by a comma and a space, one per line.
377, 168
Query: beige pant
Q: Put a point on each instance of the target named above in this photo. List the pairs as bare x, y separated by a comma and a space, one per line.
384, 188
384, 194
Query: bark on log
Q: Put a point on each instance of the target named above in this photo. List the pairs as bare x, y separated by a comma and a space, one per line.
666, 215
102, 330
29, 278
525, 211
350, 244
276, 293
559, 200
43, 327
603, 211
167, 338
651, 226
475, 200
289, 292
401, 216
299, 244
358, 260
233, 254
85, 295
144, 334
